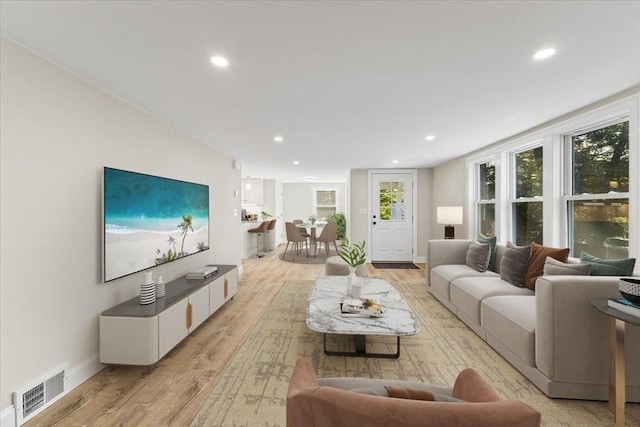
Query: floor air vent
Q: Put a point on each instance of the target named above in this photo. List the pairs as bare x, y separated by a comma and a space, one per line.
31, 400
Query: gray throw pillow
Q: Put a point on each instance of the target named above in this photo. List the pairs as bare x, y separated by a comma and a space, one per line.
478, 256
553, 267
608, 267
514, 264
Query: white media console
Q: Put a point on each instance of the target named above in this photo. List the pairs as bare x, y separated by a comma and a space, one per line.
134, 334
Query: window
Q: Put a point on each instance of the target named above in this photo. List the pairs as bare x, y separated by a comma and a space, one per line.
486, 199
526, 200
325, 204
597, 197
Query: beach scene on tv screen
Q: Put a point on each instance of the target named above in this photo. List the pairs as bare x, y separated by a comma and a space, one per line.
150, 220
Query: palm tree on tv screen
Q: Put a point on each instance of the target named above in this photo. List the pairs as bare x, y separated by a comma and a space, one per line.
186, 225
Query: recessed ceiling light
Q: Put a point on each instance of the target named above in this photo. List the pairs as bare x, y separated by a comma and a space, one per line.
430, 137
278, 139
295, 162
219, 61
544, 53
395, 162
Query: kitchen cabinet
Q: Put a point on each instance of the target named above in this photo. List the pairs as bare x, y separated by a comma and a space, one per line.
252, 191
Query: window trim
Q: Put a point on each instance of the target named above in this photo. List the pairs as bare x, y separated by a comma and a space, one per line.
608, 111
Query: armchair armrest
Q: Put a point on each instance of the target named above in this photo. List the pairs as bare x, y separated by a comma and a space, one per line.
471, 387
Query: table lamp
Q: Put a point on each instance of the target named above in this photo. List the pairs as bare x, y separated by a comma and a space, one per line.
449, 216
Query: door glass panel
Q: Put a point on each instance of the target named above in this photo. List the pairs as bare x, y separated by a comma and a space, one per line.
392, 200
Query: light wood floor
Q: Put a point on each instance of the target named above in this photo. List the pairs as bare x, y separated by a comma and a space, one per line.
171, 392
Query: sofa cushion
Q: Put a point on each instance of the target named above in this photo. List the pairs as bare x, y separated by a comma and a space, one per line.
514, 264
538, 256
608, 267
441, 276
553, 267
467, 293
493, 241
478, 256
511, 320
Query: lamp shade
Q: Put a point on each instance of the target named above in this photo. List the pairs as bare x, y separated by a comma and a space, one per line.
449, 215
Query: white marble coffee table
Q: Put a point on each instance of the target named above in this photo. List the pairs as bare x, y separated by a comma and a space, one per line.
324, 314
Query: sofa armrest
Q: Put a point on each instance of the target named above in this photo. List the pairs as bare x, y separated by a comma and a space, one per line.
446, 252
571, 336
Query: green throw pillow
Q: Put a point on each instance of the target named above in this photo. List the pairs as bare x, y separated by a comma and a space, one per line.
608, 267
493, 241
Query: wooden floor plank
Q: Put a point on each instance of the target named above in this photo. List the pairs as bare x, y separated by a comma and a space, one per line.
172, 391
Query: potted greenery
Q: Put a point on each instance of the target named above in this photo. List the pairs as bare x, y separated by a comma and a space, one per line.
312, 219
354, 255
341, 222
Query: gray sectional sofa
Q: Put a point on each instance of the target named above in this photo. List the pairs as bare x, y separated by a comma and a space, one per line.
553, 336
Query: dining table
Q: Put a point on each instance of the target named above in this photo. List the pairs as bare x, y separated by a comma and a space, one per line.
311, 228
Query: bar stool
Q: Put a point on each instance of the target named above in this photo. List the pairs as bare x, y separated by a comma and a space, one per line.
270, 227
259, 231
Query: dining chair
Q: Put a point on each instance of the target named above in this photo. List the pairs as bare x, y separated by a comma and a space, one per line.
329, 234
302, 230
294, 236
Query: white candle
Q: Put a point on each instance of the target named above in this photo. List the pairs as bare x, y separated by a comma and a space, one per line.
148, 278
160, 278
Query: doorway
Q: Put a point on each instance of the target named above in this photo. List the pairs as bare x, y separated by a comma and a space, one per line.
391, 222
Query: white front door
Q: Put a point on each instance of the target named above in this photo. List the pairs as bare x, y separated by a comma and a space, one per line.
391, 217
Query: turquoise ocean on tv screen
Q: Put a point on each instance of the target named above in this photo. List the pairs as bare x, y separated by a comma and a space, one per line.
143, 203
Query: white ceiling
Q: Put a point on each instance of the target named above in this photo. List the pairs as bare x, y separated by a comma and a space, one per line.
350, 84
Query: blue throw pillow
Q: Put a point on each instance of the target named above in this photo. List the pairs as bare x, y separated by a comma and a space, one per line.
608, 267
493, 241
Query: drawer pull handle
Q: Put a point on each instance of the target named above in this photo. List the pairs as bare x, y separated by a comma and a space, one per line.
189, 315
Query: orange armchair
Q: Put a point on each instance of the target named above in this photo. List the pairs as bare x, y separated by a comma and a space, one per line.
311, 405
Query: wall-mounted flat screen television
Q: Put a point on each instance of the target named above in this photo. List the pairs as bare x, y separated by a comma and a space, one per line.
149, 220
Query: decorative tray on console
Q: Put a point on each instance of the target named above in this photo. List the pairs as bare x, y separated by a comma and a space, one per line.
361, 307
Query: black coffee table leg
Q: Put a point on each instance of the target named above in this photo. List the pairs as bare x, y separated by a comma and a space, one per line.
361, 349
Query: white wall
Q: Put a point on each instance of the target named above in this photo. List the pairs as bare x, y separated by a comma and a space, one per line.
449, 189
298, 199
57, 133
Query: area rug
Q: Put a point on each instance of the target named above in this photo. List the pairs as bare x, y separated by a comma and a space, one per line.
252, 390
399, 265
302, 258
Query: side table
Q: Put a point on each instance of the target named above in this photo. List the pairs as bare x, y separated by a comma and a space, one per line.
617, 376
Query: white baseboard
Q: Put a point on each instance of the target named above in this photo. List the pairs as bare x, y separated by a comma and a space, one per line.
75, 376
83, 371
8, 417
420, 259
